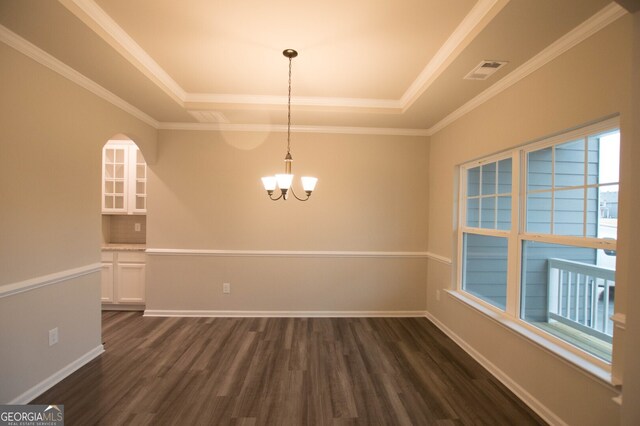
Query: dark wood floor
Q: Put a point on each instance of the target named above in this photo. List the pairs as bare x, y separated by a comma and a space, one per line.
282, 371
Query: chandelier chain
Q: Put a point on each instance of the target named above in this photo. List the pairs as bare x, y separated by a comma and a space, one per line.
289, 113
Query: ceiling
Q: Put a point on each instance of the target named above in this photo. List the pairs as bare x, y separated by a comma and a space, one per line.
395, 66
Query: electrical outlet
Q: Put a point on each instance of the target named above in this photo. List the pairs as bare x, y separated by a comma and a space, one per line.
53, 336
226, 288
136, 227
438, 295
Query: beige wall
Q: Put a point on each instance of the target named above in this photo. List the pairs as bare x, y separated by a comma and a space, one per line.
205, 193
51, 136
374, 194
589, 82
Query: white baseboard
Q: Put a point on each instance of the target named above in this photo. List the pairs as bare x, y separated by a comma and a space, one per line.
281, 314
121, 307
540, 409
56, 377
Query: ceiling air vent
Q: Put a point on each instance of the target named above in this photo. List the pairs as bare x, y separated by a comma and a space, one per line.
484, 70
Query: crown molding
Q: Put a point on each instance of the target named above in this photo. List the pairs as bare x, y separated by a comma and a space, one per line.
473, 22
597, 22
34, 52
97, 19
390, 105
600, 20
281, 128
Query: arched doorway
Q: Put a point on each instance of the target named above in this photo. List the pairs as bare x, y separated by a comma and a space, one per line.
124, 209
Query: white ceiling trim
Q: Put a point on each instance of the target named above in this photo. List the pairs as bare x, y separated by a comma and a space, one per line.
97, 19
117, 37
281, 128
597, 22
461, 37
262, 100
34, 52
209, 116
600, 20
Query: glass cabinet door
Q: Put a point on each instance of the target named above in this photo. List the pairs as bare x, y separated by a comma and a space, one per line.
114, 174
124, 179
140, 183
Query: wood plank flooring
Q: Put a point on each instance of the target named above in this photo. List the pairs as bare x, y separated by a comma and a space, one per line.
282, 371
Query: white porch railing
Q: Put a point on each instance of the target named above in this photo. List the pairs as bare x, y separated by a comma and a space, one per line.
579, 296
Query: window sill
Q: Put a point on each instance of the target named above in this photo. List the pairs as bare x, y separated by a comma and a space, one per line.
586, 363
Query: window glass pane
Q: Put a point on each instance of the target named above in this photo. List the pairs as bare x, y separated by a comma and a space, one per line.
485, 268
592, 213
489, 179
473, 182
568, 212
566, 291
488, 216
504, 213
569, 164
139, 157
473, 212
608, 206
594, 161
539, 212
539, 171
609, 157
504, 176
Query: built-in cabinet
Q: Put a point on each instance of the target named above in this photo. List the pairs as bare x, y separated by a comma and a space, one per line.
123, 277
124, 179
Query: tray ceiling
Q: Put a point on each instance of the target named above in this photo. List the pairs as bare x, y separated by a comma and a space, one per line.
361, 63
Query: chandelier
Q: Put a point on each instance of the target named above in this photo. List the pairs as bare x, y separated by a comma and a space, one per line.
284, 180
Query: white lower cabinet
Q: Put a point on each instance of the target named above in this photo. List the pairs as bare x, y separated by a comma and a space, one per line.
107, 281
123, 279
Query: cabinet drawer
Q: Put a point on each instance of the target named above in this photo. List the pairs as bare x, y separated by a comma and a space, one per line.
106, 256
132, 256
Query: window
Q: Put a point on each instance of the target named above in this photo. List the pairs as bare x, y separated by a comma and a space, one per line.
488, 223
537, 235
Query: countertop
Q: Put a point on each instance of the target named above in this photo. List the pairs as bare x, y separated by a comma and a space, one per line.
123, 247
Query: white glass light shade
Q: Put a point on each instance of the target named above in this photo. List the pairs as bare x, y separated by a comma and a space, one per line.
309, 183
284, 181
269, 183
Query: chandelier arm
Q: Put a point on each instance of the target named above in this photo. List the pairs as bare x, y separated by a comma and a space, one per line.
298, 198
275, 199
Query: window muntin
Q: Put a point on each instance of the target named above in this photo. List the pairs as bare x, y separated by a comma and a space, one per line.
565, 181
488, 195
488, 201
568, 186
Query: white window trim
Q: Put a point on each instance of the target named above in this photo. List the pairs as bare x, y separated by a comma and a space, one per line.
510, 317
